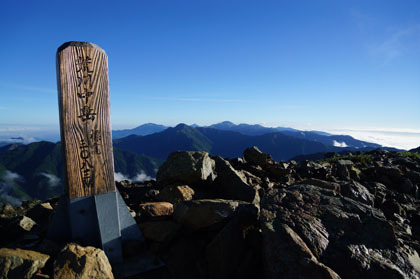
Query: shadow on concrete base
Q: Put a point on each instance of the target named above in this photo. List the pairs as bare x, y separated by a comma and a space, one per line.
103, 221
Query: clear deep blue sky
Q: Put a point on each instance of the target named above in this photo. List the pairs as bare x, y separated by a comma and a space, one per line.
305, 64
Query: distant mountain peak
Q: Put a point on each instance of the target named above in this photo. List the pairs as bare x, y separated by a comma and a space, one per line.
181, 126
226, 124
142, 130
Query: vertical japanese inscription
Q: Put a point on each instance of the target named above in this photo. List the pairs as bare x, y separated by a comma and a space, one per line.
84, 92
84, 119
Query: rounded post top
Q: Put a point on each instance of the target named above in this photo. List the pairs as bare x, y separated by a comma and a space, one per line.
79, 44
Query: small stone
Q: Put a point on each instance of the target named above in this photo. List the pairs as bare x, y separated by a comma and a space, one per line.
25, 223
8, 211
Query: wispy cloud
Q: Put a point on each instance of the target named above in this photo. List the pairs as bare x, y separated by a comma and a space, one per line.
53, 180
27, 87
7, 180
399, 43
140, 177
12, 177
200, 100
118, 176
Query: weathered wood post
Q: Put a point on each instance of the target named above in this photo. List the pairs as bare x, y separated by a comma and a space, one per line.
83, 98
92, 211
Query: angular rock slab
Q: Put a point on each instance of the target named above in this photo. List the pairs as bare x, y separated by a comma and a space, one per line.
333, 234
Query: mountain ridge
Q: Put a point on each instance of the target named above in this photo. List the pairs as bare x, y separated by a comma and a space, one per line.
222, 143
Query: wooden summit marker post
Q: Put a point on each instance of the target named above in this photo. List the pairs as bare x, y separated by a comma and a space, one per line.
83, 97
92, 212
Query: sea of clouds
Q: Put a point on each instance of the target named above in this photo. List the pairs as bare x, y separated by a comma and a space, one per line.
402, 139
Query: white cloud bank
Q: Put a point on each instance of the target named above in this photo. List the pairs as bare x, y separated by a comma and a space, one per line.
140, 177
398, 138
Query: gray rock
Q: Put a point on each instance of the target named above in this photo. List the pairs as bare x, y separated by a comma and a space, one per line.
286, 255
186, 167
323, 184
197, 214
328, 232
254, 156
343, 169
234, 185
357, 192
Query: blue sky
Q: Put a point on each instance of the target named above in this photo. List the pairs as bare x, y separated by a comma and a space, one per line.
327, 65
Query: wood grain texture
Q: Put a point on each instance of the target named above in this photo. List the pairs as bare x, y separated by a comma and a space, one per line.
85, 126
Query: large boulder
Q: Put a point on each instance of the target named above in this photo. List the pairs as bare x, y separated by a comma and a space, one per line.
234, 185
75, 261
186, 167
19, 263
197, 214
257, 159
333, 235
287, 256
254, 156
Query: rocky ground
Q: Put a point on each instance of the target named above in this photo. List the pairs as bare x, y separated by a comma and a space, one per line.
352, 216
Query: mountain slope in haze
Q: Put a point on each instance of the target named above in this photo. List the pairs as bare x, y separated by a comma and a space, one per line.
335, 140
280, 146
219, 142
415, 150
35, 171
318, 136
248, 129
142, 130
160, 145
257, 130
